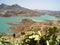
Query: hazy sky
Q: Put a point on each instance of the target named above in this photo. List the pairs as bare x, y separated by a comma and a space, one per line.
35, 4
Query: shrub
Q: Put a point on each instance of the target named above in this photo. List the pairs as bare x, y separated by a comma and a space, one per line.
36, 38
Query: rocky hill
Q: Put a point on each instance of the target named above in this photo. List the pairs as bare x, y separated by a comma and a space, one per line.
16, 10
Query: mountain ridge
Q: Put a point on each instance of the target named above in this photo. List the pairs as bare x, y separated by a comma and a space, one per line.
17, 10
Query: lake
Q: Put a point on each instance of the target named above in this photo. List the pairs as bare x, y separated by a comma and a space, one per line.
3, 20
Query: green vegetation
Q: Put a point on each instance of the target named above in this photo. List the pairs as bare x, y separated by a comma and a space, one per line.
36, 38
33, 37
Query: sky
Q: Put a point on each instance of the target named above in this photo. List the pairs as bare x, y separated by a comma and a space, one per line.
35, 4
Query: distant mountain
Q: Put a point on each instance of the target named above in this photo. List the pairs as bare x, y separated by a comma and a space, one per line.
16, 10
49, 12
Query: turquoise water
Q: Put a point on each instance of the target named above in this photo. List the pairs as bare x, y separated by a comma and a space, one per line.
3, 20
